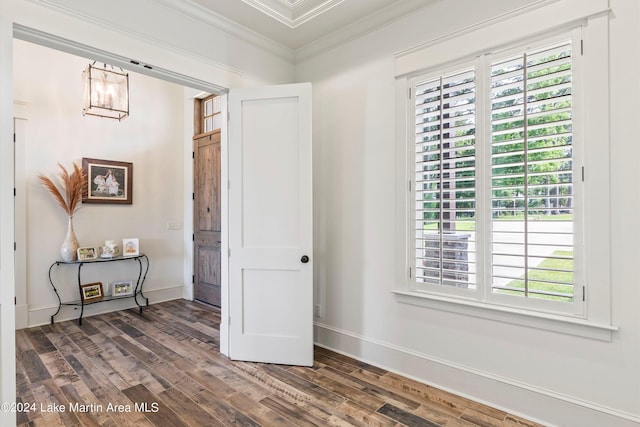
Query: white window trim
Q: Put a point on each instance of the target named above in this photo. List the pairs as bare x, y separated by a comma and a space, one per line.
596, 319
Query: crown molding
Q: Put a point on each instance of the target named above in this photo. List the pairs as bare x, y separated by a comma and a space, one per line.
536, 4
362, 26
194, 11
293, 13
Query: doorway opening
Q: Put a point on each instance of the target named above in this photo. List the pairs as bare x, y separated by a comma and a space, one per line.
191, 86
207, 200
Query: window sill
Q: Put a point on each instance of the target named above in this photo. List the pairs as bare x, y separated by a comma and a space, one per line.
537, 320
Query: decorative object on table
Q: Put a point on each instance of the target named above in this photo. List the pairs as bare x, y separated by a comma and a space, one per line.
122, 288
69, 200
106, 92
111, 249
130, 247
107, 181
87, 253
91, 292
105, 252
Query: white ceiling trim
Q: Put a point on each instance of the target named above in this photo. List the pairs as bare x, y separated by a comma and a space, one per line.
79, 49
293, 13
357, 29
134, 34
195, 11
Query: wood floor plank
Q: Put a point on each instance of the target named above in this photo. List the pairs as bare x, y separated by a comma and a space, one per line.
33, 366
154, 409
224, 411
326, 398
86, 412
257, 411
289, 410
364, 416
23, 343
369, 385
169, 356
59, 368
41, 343
321, 352
189, 411
343, 390
405, 417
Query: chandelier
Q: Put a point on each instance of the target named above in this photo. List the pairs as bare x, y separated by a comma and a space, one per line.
106, 92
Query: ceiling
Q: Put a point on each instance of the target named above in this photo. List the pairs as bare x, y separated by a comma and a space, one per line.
296, 23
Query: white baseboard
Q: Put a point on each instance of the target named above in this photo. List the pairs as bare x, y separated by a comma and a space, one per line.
546, 407
22, 316
42, 315
187, 292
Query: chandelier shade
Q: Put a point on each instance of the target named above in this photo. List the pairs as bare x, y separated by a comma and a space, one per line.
106, 92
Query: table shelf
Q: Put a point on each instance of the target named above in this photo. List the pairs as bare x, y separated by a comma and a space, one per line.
143, 263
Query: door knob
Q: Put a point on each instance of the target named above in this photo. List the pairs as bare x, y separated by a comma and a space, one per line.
304, 259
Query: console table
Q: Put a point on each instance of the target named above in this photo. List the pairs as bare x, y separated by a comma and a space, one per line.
143, 264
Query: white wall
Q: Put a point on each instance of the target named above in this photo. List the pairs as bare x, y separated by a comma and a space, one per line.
151, 138
556, 378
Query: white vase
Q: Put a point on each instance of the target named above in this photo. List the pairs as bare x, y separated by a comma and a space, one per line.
69, 248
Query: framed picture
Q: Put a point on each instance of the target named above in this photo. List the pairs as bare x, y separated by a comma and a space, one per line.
130, 247
122, 288
87, 253
91, 292
108, 181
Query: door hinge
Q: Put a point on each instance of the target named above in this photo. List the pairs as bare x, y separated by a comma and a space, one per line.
229, 253
14, 191
410, 93
15, 246
193, 278
15, 300
193, 237
583, 174
14, 137
581, 47
409, 272
193, 154
409, 185
584, 292
193, 196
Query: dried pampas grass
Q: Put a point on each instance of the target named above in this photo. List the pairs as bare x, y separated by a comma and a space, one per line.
72, 185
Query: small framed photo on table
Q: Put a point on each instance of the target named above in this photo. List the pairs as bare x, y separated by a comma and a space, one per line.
87, 253
130, 247
91, 292
122, 288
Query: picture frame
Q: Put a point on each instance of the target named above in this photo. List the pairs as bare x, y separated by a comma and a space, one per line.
87, 253
91, 292
130, 247
107, 181
122, 288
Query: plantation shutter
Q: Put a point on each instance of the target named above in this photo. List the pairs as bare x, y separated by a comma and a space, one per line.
532, 175
445, 181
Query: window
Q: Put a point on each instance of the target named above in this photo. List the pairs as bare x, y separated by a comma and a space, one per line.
208, 114
532, 178
495, 187
445, 180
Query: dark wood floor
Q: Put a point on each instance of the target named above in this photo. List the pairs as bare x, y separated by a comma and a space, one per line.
111, 369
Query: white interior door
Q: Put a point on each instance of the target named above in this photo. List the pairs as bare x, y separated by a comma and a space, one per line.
270, 225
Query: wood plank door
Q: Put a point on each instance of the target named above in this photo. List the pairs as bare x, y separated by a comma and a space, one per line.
270, 225
206, 221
